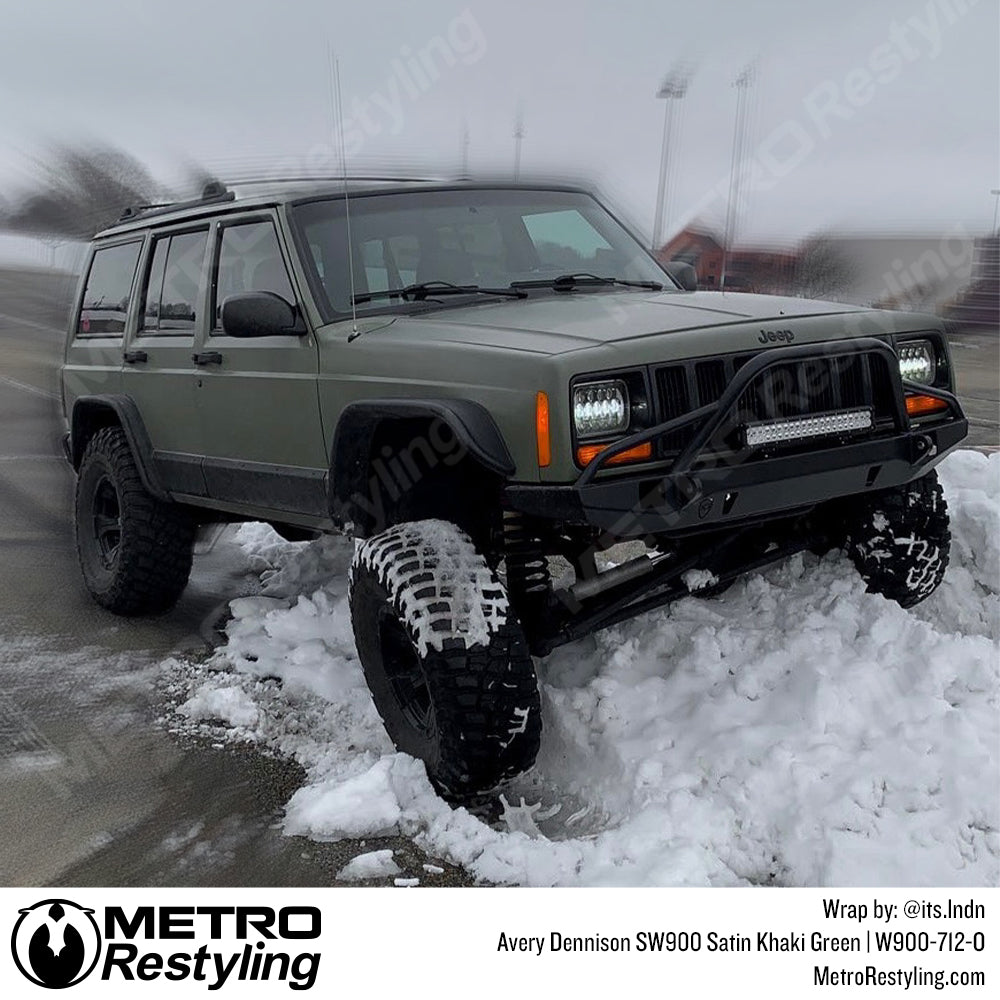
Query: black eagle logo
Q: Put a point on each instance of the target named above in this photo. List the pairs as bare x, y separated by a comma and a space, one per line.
56, 950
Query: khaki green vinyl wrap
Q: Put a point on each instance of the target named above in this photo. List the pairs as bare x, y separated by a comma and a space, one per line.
497, 352
501, 354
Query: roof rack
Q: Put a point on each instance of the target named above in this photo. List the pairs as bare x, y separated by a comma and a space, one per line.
216, 191
338, 178
132, 211
213, 191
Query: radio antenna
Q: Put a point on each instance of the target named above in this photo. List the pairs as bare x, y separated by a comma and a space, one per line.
338, 107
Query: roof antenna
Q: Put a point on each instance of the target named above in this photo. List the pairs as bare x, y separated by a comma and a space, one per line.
338, 108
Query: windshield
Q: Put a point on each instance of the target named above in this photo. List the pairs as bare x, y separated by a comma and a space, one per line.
493, 239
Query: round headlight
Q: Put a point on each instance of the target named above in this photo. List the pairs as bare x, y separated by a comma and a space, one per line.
917, 362
600, 408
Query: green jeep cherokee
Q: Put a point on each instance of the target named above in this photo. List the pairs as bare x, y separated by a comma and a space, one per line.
489, 386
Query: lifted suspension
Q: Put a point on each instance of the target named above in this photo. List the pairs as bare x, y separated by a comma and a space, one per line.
649, 582
529, 583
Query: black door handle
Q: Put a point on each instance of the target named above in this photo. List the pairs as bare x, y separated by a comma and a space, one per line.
207, 358
132, 357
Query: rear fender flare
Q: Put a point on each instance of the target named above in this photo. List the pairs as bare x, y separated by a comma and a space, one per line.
92, 412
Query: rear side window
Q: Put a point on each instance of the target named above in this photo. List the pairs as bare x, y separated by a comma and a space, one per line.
184, 261
170, 297
250, 261
109, 285
150, 320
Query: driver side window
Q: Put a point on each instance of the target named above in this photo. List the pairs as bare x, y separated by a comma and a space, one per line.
250, 261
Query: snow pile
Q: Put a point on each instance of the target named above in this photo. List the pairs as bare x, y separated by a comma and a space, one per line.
374, 864
795, 731
231, 705
699, 579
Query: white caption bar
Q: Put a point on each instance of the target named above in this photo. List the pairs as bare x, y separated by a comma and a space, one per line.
774, 943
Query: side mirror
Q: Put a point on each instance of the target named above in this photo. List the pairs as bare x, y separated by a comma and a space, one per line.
258, 314
684, 274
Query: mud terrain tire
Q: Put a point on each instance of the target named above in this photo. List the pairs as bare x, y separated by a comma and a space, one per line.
900, 542
135, 551
445, 659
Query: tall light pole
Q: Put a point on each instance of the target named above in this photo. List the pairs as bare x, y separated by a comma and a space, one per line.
743, 82
465, 149
673, 88
518, 136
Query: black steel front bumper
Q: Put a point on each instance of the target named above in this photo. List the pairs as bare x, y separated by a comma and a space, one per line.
699, 491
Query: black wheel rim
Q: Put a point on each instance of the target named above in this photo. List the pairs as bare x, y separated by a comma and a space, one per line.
107, 522
405, 674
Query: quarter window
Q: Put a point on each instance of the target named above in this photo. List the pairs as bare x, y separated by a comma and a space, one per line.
109, 285
250, 261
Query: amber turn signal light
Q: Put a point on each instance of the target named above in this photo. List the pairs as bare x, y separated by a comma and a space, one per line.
917, 406
542, 430
586, 453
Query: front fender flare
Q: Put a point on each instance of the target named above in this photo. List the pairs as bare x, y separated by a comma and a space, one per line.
470, 422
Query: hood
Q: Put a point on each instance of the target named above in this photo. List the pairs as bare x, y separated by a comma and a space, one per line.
573, 321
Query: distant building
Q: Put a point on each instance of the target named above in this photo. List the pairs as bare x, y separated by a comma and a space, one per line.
904, 271
978, 303
927, 273
18, 250
748, 269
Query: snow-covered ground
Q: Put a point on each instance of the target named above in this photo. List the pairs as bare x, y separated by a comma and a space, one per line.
794, 731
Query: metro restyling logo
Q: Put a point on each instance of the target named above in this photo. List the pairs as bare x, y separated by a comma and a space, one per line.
57, 943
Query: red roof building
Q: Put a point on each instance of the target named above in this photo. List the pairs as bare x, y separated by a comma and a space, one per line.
748, 269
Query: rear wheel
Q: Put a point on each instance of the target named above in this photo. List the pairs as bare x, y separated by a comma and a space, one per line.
447, 664
900, 541
134, 550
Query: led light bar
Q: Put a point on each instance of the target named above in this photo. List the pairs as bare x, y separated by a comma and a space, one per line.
807, 427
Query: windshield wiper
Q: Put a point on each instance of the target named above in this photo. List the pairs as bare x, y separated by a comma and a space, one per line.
567, 282
425, 289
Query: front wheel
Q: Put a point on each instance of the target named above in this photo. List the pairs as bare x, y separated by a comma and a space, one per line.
447, 663
900, 541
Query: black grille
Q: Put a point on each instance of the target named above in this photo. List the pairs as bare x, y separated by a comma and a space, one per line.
793, 389
711, 379
675, 401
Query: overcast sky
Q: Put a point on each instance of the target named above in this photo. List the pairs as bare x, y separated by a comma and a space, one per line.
878, 116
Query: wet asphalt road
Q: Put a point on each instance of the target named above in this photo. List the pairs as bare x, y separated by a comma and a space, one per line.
976, 355
93, 791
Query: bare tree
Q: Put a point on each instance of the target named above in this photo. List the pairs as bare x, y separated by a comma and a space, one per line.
78, 191
823, 269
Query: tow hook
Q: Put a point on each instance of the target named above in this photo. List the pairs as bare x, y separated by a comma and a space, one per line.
688, 489
924, 449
